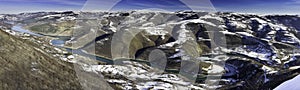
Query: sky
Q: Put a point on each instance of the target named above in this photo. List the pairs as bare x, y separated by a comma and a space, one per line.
241, 6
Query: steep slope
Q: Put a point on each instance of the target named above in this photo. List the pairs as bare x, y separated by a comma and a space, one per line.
25, 66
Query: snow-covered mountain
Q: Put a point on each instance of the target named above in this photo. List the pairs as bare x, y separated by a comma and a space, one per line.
261, 51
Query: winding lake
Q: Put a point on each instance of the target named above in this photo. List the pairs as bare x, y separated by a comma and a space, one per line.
19, 28
60, 41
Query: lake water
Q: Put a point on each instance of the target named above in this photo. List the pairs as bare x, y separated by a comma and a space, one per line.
60, 41
57, 42
19, 28
81, 53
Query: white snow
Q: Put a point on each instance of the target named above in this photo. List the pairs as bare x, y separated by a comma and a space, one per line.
268, 69
156, 31
292, 84
116, 81
70, 57
2, 16
278, 26
294, 67
216, 69
114, 29
228, 33
238, 24
135, 71
211, 17
11, 32
201, 21
259, 20
245, 33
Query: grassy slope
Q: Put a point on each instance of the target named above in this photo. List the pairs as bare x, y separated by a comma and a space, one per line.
55, 29
18, 58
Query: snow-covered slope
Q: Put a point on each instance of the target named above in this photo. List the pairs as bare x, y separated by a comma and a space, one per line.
290, 84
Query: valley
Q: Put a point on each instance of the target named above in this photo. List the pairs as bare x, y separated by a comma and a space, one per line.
160, 50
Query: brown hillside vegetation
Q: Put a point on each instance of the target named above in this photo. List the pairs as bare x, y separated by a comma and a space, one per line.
26, 67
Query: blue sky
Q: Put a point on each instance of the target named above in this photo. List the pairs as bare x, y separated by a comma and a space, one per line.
244, 6
170, 5
259, 6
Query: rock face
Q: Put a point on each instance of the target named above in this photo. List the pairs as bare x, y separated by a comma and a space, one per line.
25, 66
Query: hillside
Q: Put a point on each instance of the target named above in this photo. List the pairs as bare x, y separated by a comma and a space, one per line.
25, 66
